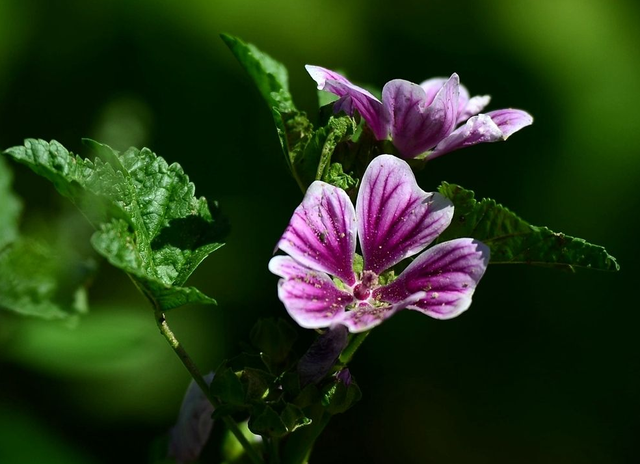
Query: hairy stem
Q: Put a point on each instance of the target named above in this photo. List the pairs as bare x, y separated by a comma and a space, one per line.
168, 334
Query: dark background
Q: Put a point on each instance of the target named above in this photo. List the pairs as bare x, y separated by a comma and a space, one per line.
544, 367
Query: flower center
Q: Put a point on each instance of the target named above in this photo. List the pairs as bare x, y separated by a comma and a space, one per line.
369, 279
362, 290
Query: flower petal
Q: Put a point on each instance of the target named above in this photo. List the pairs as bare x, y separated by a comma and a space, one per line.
365, 316
447, 272
432, 86
510, 120
191, 432
477, 129
322, 232
466, 106
472, 107
490, 127
415, 125
310, 297
352, 97
396, 218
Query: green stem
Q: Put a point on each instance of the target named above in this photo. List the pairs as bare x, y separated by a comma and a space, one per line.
168, 334
274, 452
300, 443
352, 347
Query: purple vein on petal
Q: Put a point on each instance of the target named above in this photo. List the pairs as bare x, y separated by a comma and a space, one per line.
478, 129
472, 107
322, 232
510, 120
396, 219
416, 123
447, 272
310, 297
493, 126
352, 97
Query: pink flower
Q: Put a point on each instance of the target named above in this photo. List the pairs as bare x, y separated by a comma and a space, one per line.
393, 219
435, 117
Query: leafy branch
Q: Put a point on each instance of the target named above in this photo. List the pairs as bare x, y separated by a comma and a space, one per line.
308, 151
148, 221
513, 240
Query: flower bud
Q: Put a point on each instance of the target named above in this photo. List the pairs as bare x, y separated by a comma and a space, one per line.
322, 354
191, 432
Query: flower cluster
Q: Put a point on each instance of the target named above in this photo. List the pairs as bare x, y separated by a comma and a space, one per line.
423, 118
393, 219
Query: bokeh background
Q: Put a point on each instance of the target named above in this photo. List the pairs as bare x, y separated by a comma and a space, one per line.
545, 366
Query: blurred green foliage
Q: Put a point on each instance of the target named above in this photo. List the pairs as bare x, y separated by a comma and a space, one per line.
11, 207
544, 366
42, 271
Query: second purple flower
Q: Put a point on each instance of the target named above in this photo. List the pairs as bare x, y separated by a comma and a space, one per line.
433, 118
393, 220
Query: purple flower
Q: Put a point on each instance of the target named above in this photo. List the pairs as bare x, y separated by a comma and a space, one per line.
435, 117
393, 219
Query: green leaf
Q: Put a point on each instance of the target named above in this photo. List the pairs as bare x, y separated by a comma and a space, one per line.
293, 417
290, 382
271, 78
274, 337
336, 176
10, 208
227, 387
256, 383
294, 132
314, 162
338, 397
269, 75
513, 240
308, 396
149, 222
117, 242
266, 421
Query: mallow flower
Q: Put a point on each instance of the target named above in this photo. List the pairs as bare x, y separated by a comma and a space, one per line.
393, 219
435, 117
